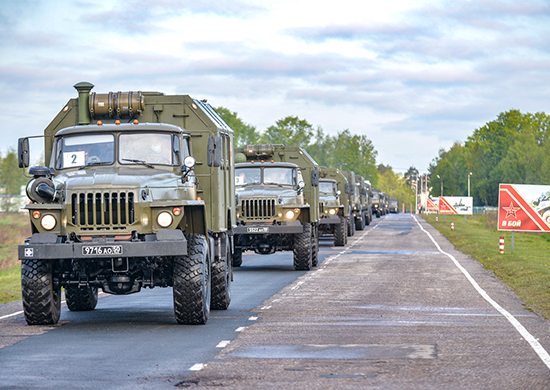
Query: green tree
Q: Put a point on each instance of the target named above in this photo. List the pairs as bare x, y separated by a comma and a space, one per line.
396, 186
451, 169
290, 131
12, 178
245, 134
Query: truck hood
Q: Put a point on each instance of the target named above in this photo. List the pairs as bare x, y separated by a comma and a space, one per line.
284, 195
160, 184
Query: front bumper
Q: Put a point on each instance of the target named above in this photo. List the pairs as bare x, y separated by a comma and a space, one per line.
46, 246
289, 227
330, 220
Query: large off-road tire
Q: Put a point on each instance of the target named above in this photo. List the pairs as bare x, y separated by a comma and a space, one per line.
340, 233
377, 213
41, 292
192, 285
81, 298
367, 219
221, 282
315, 246
360, 223
351, 225
302, 249
238, 257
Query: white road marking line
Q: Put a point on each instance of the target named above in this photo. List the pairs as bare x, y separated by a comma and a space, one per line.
223, 344
539, 349
12, 314
252, 318
240, 329
197, 367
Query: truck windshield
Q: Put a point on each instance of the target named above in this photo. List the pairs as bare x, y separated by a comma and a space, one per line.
244, 176
327, 187
82, 150
278, 175
150, 148
375, 196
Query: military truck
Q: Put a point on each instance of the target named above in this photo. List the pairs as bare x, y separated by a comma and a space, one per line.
384, 202
355, 206
393, 205
277, 190
377, 203
365, 215
334, 216
138, 193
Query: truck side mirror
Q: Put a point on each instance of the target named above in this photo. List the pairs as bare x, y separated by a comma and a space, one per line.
23, 152
214, 151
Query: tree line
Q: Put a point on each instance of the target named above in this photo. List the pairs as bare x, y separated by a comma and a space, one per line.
345, 150
513, 148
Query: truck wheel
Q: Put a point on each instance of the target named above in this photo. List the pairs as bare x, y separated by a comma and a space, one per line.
360, 224
351, 225
192, 286
340, 233
41, 292
367, 219
221, 282
237, 257
302, 249
377, 213
315, 246
81, 298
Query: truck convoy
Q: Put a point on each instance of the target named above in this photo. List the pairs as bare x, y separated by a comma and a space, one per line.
334, 215
277, 193
138, 192
363, 215
377, 205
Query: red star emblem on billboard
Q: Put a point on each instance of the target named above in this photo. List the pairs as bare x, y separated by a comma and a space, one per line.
511, 210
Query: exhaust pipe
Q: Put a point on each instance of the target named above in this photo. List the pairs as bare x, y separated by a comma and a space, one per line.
83, 89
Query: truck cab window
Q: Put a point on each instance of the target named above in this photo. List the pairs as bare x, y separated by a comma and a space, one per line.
152, 148
82, 150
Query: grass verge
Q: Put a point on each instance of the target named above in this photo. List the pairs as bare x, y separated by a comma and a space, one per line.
10, 285
526, 271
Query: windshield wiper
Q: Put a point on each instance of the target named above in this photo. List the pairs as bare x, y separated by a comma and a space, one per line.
141, 162
95, 163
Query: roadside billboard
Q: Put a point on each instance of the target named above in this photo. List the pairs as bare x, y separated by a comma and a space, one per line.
461, 205
524, 207
432, 205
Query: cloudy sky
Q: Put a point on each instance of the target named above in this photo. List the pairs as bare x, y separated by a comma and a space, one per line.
413, 76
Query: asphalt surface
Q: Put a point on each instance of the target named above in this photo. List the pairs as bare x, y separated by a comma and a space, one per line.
389, 311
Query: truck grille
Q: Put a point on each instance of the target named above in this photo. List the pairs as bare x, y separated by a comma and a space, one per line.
102, 211
258, 208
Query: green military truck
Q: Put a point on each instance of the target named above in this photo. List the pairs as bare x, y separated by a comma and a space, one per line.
334, 216
138, 193
364, 216
377, 203
277, 190
355, 206
384, 202
393, 205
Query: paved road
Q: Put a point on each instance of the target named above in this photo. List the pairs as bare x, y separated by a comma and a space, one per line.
388, 311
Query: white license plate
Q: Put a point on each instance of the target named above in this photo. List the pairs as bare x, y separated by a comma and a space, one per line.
102, 250
257, 230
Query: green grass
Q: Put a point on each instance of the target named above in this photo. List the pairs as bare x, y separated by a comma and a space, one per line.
10, 285
526, 271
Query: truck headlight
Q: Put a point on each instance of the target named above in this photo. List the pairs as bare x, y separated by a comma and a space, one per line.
332, 211
164, 219
289, 214
48, 222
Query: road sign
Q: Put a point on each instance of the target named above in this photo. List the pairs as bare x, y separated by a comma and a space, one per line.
461, 205
524, 207
432, 205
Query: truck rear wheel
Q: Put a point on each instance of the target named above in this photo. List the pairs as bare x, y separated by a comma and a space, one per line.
41, 292
351, 225
302, 249
221, 282
360, 223
237, 257
315, 246
340, 236
192, 285
367, 219
81, 298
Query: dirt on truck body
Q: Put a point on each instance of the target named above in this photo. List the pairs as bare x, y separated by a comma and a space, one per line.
277, 191
138, 192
